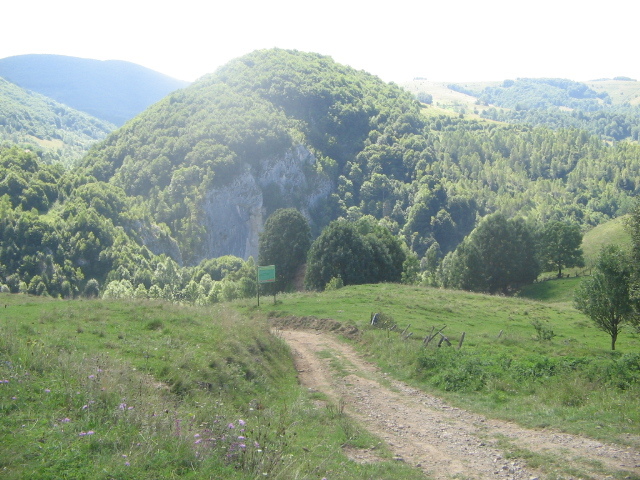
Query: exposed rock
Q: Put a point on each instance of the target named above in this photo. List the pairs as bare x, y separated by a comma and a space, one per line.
157, 240
234, 215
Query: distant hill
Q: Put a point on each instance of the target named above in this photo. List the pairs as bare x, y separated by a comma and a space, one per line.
607, 108
111, 90
62, 133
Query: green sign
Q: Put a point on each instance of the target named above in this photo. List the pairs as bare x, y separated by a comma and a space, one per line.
267, 274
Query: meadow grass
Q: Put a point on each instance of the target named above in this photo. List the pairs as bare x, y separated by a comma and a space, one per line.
140, 390
536, 363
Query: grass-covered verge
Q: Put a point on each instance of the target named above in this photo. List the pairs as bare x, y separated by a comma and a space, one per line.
109, 390
538, 364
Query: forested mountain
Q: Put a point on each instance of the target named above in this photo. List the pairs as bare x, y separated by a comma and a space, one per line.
63, 134
175, 200
113, 90
356, 146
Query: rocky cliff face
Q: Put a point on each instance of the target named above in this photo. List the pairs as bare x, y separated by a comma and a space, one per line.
234, 215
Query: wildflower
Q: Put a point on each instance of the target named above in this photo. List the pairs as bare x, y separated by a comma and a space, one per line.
196, 435
4, 381
126, 464
46, 390
65, 420
90, 432
198, 441
240, 437
122, 406
242, 422
231, 426
92, 377
84, 407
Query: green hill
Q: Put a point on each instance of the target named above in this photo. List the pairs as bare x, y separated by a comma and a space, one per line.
355, 146
62, 133
611, 232
114, 91
195, 176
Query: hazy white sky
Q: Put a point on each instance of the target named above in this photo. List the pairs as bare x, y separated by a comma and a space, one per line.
447, 40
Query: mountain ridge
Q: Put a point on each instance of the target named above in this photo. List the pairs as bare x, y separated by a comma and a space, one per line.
111, 90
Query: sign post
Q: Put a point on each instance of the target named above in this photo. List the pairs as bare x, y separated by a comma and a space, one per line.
266, 274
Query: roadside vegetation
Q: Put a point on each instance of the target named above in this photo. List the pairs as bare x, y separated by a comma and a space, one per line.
146, 390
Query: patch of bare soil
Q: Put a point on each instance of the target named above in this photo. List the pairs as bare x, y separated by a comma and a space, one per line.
422, 430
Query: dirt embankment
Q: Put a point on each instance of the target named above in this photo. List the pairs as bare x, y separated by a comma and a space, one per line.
444, 441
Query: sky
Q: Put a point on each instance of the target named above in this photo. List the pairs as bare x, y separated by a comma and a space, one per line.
445, 40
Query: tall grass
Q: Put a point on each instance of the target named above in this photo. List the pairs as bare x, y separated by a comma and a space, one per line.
95, 389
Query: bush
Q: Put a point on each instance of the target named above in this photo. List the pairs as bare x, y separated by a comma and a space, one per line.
335, 283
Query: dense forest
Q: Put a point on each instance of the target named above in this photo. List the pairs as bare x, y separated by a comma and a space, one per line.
136, 216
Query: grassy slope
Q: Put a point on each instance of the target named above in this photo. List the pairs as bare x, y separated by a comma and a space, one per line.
505, 369
619, 91
97, 389
611, 232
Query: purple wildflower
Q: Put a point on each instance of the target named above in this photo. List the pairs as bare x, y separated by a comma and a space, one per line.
92, 377
231, 425
46, 390
242, 422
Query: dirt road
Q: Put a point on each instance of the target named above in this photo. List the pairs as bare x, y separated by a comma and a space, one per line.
445, 442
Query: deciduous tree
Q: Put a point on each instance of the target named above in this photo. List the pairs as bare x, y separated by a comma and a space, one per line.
560, 246
605, 297
284, 242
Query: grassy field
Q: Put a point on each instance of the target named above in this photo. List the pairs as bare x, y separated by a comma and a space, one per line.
144, 390
107, 389
539, 363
